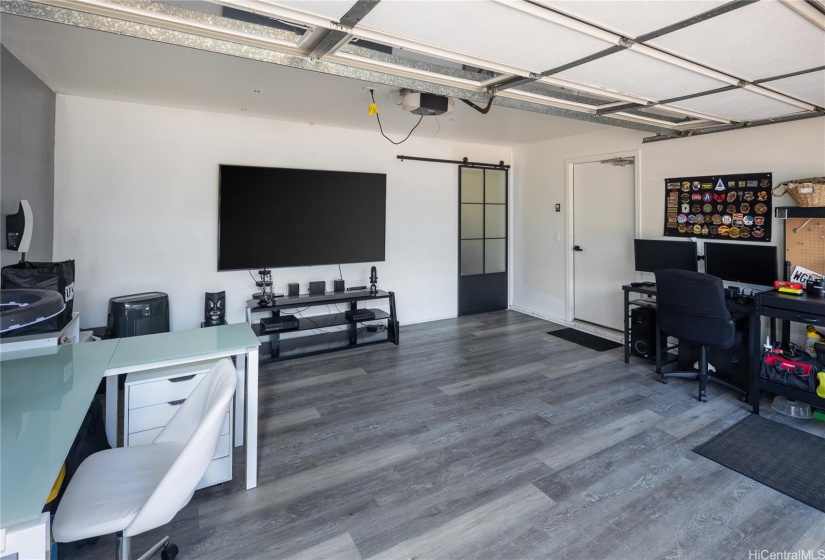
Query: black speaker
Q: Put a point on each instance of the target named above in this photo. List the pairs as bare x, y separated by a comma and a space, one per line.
292, 288
319, 287
643, 332
338, 285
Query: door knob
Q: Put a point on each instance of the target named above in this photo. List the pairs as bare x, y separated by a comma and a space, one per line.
576, 248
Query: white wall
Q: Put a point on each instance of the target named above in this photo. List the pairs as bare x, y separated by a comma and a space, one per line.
789, 151
136, 205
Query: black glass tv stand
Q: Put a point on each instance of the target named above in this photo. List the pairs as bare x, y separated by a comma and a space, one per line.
330, 332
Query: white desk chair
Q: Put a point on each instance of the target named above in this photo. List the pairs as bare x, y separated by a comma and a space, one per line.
135, 489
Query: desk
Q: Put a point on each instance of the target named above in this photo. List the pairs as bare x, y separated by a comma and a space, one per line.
754, 333
44, 396
141, 353
789, 308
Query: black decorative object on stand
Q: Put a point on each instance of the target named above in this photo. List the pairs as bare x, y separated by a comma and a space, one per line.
214, 309
265, 284
373, 281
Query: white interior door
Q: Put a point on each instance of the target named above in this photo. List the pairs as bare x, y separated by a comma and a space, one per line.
603, 232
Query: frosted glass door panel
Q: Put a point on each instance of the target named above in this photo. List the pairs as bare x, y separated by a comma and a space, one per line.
496, 189
495, 224
472, 221
472, 257
494, 256
472, 185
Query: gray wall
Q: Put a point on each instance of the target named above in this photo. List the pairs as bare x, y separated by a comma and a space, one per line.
27, 108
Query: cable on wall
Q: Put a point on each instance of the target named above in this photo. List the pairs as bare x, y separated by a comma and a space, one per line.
373, 110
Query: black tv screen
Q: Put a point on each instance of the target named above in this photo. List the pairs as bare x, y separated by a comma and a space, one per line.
276, 217
735, 262
653, 254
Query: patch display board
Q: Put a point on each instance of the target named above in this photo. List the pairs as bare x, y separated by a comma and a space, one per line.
736, 207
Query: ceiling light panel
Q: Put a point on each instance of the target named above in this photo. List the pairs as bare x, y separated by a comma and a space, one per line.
639, 75
737, 105
808, 87
633, 17
758, 41
332, 10
484, 29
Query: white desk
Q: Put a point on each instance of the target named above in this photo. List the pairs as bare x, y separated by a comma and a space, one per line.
44, 396
141, 353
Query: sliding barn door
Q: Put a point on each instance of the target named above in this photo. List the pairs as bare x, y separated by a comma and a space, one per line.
482, 245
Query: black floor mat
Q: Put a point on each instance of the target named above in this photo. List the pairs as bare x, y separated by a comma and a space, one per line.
776, 455
587, 340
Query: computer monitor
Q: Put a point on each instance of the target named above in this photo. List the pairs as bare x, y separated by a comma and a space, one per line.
653, 254
737, 262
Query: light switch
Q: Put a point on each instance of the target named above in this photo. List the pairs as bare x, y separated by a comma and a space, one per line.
557, 236
558, 207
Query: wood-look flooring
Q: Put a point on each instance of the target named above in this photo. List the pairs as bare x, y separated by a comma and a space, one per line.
484, 437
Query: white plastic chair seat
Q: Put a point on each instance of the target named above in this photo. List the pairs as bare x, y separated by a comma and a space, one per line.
110, 488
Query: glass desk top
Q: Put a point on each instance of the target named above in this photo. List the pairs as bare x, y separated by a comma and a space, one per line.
44, 397
163, 347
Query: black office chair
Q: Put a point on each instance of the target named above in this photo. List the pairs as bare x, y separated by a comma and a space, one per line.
691, 307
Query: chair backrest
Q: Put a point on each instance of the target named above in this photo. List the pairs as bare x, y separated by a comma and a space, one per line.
691, 307
197, 427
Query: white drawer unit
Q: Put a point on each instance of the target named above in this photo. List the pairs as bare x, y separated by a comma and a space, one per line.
152, 398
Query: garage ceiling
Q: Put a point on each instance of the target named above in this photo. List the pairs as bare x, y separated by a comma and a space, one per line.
671, 68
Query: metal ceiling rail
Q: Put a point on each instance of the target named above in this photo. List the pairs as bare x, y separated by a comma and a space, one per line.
738, 126
234, 45
321, 53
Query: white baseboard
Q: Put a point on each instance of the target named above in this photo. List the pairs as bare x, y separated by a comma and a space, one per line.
597, 330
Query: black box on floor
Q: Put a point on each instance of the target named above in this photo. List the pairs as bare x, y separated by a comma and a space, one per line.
643, 333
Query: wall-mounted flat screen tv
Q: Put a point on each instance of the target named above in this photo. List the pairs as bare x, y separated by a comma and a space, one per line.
277, 217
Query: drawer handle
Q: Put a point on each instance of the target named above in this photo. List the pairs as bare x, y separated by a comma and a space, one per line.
179, 379
177, 402
812, 320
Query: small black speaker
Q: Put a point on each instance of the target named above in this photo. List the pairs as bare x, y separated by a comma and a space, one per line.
317, 287
338, 285
292, 289
643, 332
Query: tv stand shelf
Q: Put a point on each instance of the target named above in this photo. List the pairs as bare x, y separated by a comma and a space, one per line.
276, 348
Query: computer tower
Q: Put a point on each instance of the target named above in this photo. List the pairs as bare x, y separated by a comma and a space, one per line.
643, 332
138, 314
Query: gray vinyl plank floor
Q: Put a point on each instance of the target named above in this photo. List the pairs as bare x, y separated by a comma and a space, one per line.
482, 437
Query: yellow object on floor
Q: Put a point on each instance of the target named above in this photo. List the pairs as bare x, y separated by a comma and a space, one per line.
820, 390
57, 484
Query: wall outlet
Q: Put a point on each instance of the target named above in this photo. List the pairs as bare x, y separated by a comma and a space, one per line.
557, 236
558, 207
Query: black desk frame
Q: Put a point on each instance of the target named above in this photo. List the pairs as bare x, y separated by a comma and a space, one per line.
787, 308
754, 330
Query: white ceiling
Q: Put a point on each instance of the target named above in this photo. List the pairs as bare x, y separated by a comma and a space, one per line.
668, 67
82, 62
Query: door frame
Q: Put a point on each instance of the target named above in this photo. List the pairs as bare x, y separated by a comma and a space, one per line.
569, 300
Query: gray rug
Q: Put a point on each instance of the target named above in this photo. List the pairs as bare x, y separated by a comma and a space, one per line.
781, 457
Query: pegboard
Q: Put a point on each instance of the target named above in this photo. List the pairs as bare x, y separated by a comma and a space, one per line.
806, 246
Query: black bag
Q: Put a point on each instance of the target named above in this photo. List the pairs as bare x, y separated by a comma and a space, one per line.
798, 371
57, 276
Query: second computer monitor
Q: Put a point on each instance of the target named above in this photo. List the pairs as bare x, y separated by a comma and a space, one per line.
736, 262
654, 254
